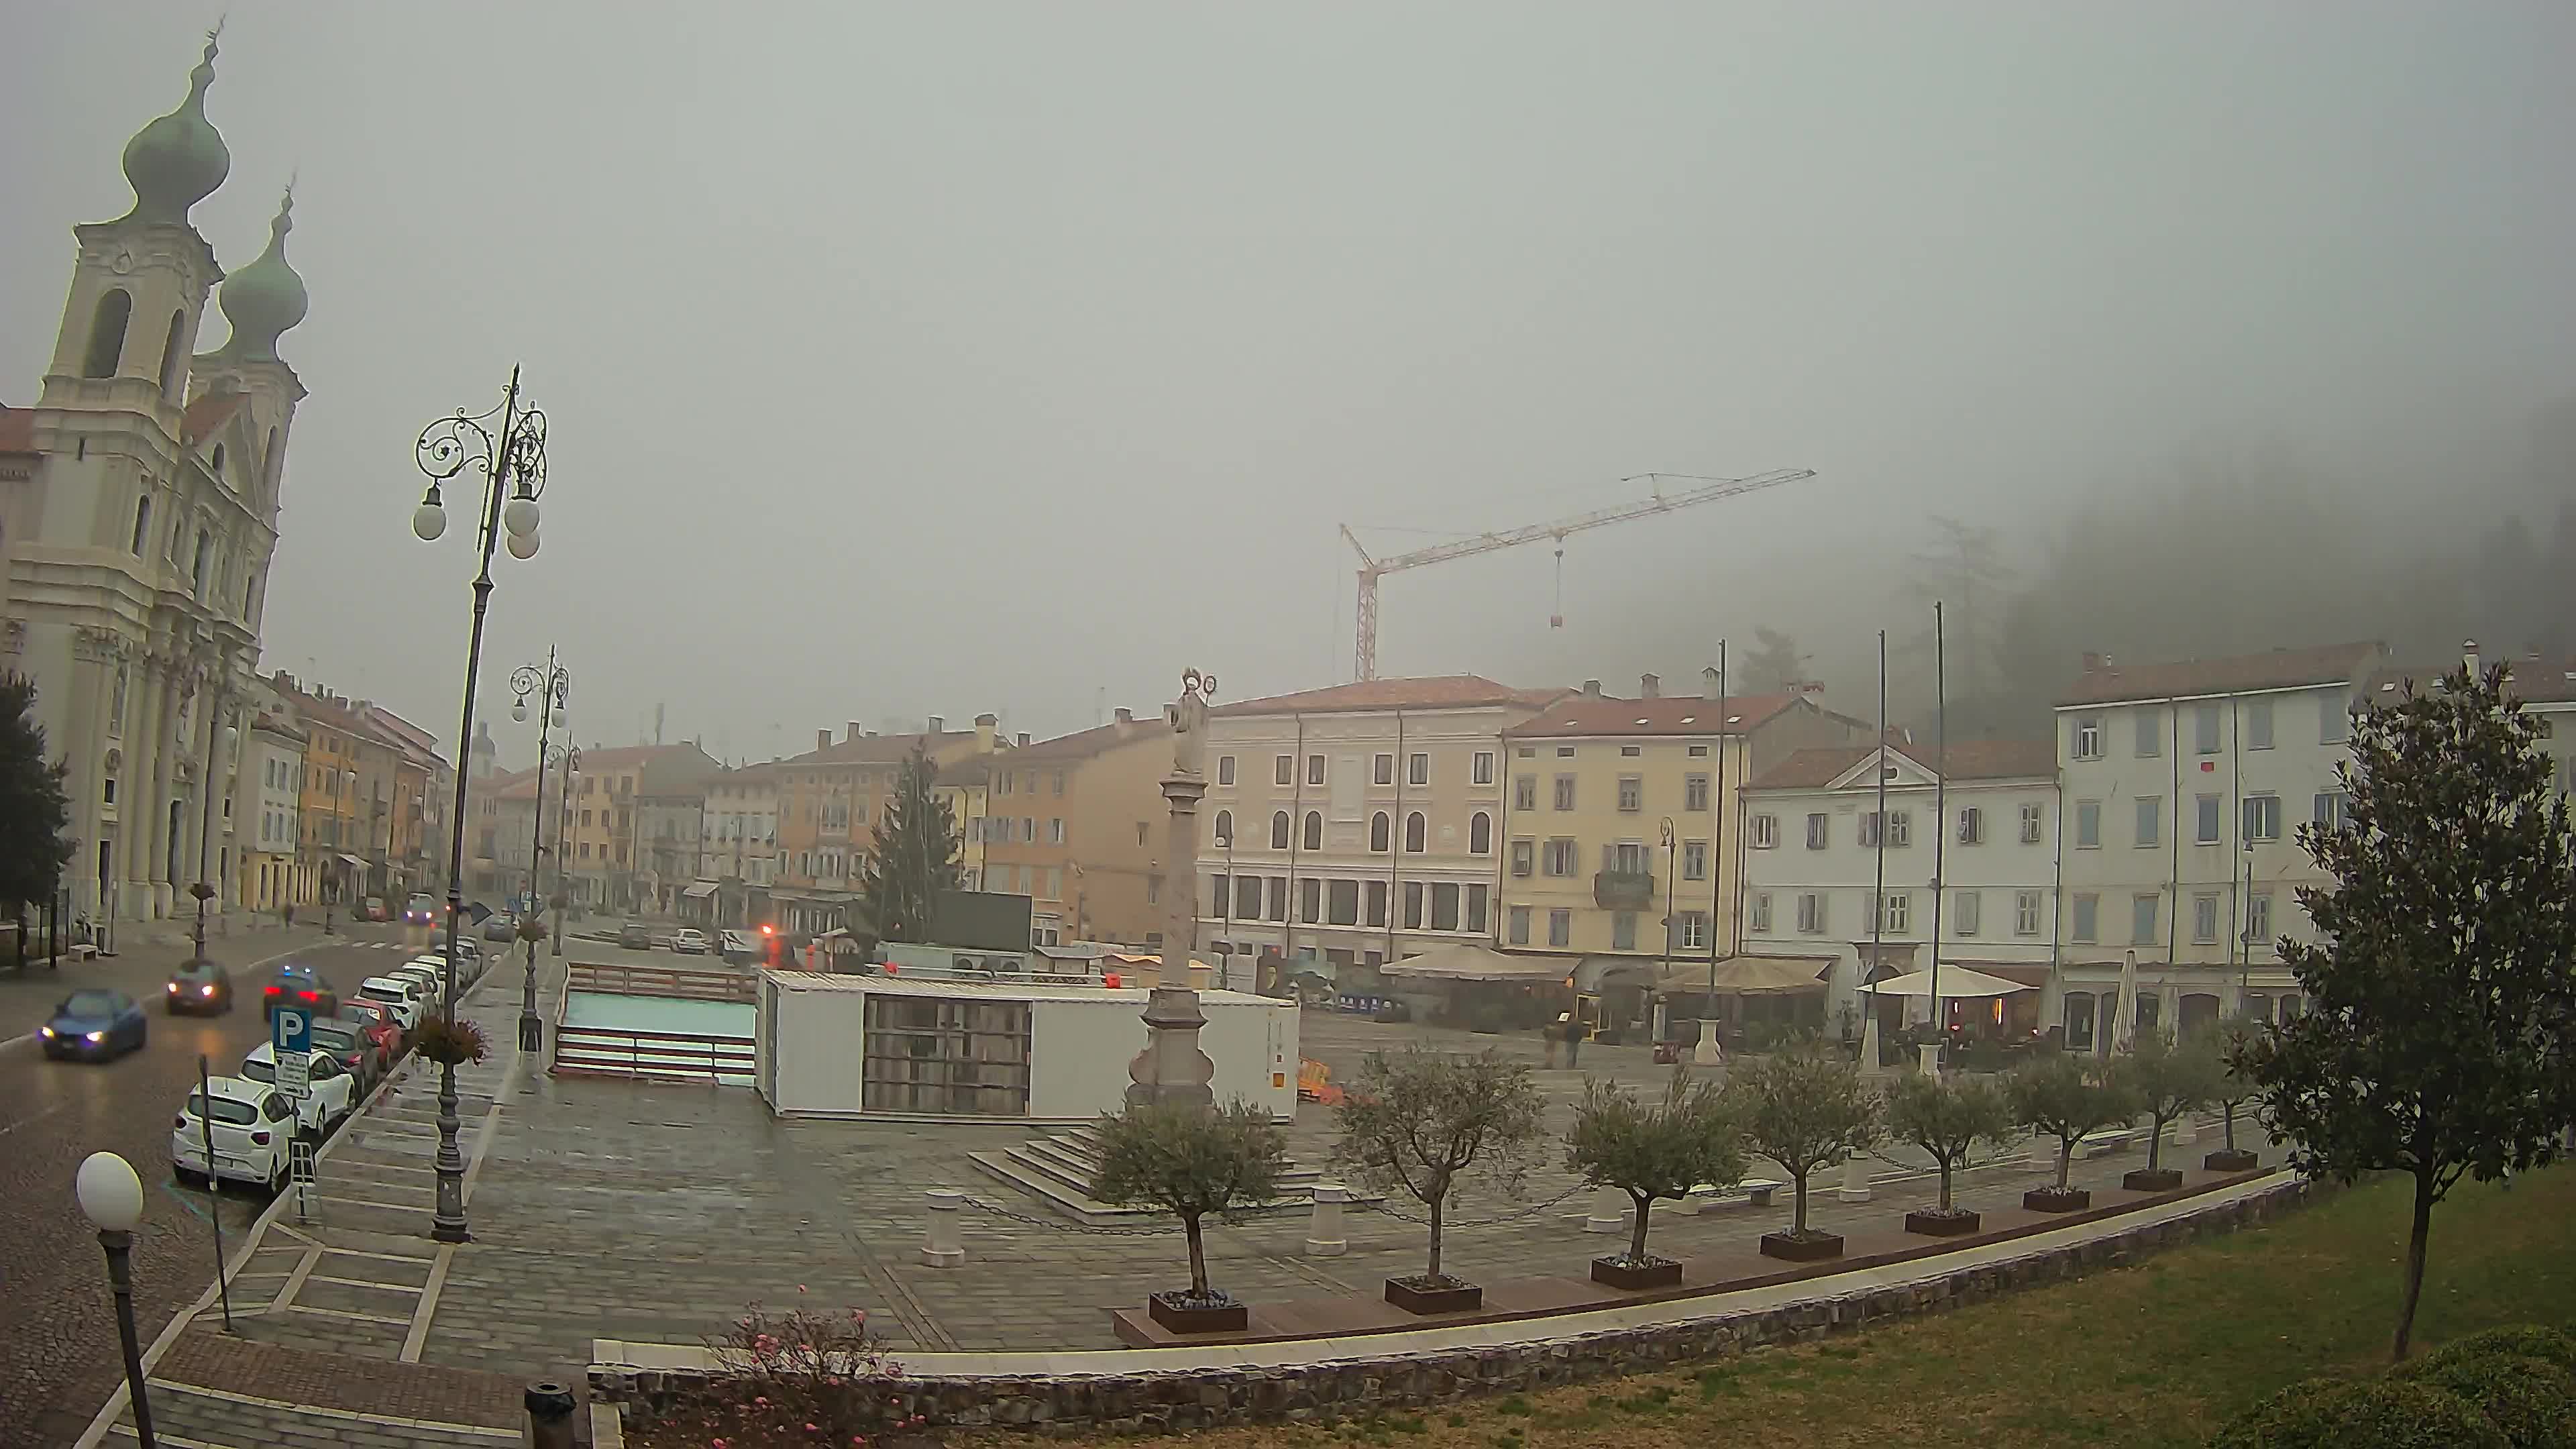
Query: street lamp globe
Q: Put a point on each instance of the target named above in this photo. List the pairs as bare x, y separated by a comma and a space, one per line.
429, 520
519, 515
111, 1196
519, 711
523, 545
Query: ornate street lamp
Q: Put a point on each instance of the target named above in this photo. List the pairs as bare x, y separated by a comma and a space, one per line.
551, 685
111, 1197
512, 463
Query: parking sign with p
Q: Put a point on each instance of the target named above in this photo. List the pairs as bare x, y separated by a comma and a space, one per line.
290, 1035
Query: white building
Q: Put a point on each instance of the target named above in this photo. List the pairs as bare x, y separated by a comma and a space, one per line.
2184, 786
1310, 787
266, 807
1815, 863
138, 513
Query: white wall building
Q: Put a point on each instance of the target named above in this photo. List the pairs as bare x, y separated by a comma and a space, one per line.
1814, 865
265, 808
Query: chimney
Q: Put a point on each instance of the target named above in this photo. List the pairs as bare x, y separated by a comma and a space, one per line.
1650, 686
2469, 656
1711, 685
1126, 715
822, 739
853, 730
1592, 688
984, 731
938, 724
1021, 739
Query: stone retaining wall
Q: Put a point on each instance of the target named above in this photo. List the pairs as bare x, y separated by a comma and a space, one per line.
1203, 1398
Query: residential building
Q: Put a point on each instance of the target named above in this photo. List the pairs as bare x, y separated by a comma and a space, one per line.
2183, 787
741, 834
1079, 825
670, 811
138, 515
271, 877
416, 837
2547, 692
1820, 891
831, 799
602, 858
1594, 783
1366, 820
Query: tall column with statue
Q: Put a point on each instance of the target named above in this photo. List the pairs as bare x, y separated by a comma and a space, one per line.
1172, 1070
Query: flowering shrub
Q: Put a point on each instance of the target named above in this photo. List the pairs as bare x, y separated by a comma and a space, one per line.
452, 1042
809, 1377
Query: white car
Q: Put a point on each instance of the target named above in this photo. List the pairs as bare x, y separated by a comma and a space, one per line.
252, 1125
689, 941
400, 995
329, 1094
430, 972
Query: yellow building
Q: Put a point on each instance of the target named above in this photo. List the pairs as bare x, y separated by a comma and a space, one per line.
832, 798
1078, 825
1618, 811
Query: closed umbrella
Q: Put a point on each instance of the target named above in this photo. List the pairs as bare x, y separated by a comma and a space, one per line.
2124, 1020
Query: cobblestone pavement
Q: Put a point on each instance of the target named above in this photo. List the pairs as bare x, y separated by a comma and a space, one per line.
58, 1350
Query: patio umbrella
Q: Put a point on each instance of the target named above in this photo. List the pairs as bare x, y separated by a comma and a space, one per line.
2125, 1015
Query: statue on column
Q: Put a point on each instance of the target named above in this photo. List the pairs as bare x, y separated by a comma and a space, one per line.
1188, 718
1172, 1070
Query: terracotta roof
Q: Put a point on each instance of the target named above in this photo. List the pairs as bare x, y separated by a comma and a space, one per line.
1964, 760
208, 413
1590, 715
876, 749
517, 785
17, 430
2194, 678
1083, 744
1443, 691
2534, 681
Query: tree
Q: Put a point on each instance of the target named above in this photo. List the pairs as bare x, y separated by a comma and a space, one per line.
1966, 571
1804, 1109
34, 812
1947, 1117
1662, 1151
1776, 664
2058, 1096
2234, 1038
1190, 1163
1421, 1122
916, 856
2165, 1078
2443, 1012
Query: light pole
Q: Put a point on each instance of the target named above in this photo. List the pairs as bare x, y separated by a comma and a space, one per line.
1672, 864
219, 745
1226, 840
563, 888
550, 685
513, 466
111, 1197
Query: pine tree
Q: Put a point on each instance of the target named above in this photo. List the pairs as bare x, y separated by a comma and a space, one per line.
2441, 1039
34, 812
916, 856
1774, 665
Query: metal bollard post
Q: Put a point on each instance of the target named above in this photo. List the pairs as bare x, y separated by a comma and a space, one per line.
550, 1407
942, 1243
1609, 1211
1324, 1237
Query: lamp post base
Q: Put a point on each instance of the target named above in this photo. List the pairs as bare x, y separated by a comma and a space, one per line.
532, 1032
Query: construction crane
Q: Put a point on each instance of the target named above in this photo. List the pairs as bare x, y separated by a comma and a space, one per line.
1364, 665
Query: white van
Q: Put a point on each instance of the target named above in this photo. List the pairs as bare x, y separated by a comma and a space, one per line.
403, 997
253, 1125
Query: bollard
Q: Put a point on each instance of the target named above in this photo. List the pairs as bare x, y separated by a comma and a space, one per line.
1324, 1231
942, 1245
1609, 1211
2184, 1133
1928, 1058
1855, 1186
550, 1407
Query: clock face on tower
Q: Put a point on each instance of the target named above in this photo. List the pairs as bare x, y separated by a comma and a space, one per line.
122, 262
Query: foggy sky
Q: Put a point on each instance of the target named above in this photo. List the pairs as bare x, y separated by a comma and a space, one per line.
910, 360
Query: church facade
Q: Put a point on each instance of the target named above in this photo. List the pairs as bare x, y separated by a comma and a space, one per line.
138, 519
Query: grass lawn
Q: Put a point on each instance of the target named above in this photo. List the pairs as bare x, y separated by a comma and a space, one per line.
2155, 1355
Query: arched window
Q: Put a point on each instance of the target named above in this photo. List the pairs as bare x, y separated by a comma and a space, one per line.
171, 355
1379, 831
1314, 830
107, 333
1225, 827
271, 461
1480, 833
197, 569
250, 596
215, 465
1279, 830
142, 523
1413, 831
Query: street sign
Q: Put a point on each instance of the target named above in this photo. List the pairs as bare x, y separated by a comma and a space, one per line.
290, 1038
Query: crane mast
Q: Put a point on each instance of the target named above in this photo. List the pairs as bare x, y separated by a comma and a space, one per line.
1364, 663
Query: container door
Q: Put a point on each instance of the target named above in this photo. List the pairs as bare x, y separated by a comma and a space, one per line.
765, 1045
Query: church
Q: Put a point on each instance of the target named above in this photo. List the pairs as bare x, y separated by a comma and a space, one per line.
138, 517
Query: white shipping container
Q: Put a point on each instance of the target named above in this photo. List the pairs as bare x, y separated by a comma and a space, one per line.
867, 1046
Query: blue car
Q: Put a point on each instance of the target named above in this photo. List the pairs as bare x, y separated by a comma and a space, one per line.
94, 1024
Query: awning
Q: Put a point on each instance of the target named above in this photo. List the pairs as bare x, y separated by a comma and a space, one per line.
353, 862
1955, 981
700, 890
1748, 975
1469, 962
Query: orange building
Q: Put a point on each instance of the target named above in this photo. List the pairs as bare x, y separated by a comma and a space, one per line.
831, 798
1077, 825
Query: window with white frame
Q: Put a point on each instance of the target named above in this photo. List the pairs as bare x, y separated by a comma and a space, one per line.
1819, 830
1972, 825
1283, 770
1811, 912
1382, 770
1895, 911
1967, 910
1524, 854
1694, 860
2088, 737
1314, 769
2258, 921
2262, 817
1225, 769
2333, 810
1695, 792
1693, 935
2204, 918
1900, 827
1632, 794
1519, 932
2025, 913
1560, 856
2334, 718
1565, 792
2031, 817
1417, 770
1525, 792
1766, 832
1560, 927
1758, 912
1483, 771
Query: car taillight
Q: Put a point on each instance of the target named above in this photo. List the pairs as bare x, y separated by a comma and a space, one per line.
277, 991
259, 1139
310, 995
205, 991
181, 1123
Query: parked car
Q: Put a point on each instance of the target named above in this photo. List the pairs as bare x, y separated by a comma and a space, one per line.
252, 1124
737, 947
402, 996
689, 941
330, 1092
635, 936
297, 984
373, 909
94, 1024
420, 910
429, 976
501, 927
354, 1047
201, 987
377, 1021
472, 957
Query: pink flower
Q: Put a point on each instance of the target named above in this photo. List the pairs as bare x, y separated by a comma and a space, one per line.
809, 1427
715, 1444
800, 1287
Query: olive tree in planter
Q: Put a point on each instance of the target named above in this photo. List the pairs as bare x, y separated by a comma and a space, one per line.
1423, 1124
1191, 1163
2060, 1096
1806, 1109
1688, 1140
1946, 1117
2235, 1088
2164, 1078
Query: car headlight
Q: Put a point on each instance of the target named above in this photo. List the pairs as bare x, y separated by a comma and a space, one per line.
96, 1036
206, 990
174, 986
46, 1032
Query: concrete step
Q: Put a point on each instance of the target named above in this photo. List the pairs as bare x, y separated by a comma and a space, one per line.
1062, 1181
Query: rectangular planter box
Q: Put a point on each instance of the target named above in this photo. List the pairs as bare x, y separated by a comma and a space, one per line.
1197, 1318
2050, 1200
1463, 1298
2151, 1179
1655, 1273
1942, 1225
2227, 1161
1812, 1249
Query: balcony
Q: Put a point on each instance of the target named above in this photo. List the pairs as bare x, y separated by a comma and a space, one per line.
1623, 890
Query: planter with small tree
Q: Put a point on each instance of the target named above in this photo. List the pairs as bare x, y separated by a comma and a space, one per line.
1946, 1117
2235, 1037
1422, 1124
1191, 1163
1806, 1109
2059, 1096
451, 1042
2165, 1078
1653, 1152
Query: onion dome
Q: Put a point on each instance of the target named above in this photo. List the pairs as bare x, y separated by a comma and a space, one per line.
264, 299
178, 160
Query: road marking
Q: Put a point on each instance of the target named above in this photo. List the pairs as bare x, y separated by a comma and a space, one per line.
367, 1283
427, 1309
381, 1257
344, 1313
295, 1281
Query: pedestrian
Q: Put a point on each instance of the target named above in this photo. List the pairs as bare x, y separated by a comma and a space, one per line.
1573, 1037
288, 912
1547, 1038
